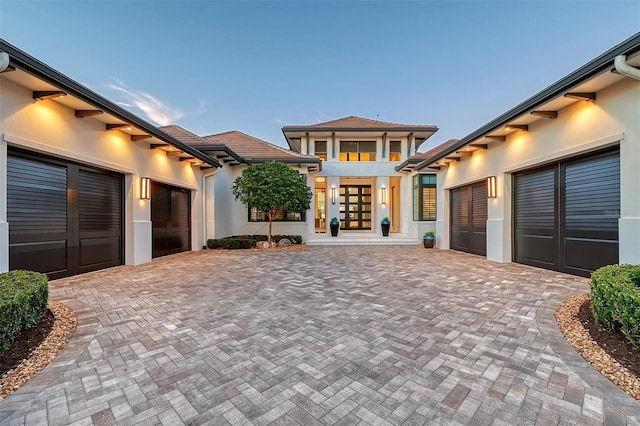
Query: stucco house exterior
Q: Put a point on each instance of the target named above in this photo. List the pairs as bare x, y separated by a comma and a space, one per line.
553, 182
79, 176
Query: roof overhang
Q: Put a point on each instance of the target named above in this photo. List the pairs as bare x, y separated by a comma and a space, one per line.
33, 74
294, 134
588, 79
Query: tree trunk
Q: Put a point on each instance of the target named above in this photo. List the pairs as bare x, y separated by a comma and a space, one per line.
270, 215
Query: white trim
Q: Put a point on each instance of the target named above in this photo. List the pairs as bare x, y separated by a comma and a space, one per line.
565, 153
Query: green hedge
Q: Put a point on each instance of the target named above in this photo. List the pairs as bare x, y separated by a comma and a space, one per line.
295, 239
615, 300
23, 302
231, 243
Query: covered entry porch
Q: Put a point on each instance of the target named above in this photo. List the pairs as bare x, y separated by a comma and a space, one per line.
359, 203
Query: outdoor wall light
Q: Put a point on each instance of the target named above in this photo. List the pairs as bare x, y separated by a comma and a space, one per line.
145, 188
383, 195
491, 187
333, 194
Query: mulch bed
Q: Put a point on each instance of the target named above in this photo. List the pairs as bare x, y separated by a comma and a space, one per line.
36, 347
608, 352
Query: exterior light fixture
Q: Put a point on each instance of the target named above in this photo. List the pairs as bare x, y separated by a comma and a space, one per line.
582, 96
145, 188
333, 194
41, 95
383, 195
491, 187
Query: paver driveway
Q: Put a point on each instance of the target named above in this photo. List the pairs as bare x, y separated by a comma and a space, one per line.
334, 335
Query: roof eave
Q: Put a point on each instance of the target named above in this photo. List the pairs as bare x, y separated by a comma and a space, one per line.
590, 69
33, 66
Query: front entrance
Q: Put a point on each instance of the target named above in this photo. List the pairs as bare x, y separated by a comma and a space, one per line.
355, 207
170, 218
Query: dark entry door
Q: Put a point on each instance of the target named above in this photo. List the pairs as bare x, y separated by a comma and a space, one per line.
469, 219
566, 214
171, 219
355, 207
64, 218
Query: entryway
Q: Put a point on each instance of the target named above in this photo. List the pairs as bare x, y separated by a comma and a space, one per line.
355, 207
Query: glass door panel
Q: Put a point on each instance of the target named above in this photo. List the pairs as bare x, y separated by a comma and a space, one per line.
355, 209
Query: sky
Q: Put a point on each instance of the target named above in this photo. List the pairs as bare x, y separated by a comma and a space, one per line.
255, 66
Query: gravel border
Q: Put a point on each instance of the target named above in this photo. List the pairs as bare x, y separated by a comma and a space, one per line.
567, 316
63, 329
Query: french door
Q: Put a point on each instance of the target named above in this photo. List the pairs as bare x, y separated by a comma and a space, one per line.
355, 207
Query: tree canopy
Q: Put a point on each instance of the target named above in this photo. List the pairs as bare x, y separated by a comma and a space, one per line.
272, 187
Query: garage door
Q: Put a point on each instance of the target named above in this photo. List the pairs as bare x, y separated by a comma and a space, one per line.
566, 214
171, 219
469, 219
64, 218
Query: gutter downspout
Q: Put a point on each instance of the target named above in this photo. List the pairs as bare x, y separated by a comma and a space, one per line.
624, 68
4, 61
204, 203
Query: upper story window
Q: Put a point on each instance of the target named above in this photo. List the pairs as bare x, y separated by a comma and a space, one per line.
358, 151
395, 148
424, 197
321, 149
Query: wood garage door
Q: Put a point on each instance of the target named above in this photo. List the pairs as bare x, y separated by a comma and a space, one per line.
566, 214
171, 219
469, 218
64, 218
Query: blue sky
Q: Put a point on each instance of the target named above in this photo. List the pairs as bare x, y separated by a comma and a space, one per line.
214, 66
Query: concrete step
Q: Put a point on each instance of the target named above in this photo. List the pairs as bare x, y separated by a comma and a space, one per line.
361, 240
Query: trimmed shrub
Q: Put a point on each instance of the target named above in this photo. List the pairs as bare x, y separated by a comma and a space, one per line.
231, 243
615, 300
23, 302
297, 239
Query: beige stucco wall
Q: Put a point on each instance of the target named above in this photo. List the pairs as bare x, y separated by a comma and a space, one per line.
52, 128
582, 127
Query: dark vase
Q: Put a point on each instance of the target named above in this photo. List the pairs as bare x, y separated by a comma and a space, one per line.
385, 228
335, 227
428, 242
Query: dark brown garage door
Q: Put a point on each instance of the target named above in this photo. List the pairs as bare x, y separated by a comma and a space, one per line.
566, 214
64, 218
469, 219
171, 219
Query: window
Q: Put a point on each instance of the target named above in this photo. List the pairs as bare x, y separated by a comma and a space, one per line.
394, 150
321, 149
358, 151
424, 197
256, 215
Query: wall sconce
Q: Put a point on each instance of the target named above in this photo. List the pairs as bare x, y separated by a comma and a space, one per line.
491, 187
145, 188
383, 195
333, 194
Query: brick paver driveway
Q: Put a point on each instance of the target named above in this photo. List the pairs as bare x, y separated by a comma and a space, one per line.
334, 335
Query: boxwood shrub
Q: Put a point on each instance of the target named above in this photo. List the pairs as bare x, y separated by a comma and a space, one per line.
615, 300
23, 302
231, 243
295, 239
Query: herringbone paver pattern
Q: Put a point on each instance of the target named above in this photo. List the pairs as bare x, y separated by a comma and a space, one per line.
334, 335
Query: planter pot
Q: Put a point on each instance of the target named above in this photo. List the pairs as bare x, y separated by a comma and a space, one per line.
334, 227
385, 228
428, 242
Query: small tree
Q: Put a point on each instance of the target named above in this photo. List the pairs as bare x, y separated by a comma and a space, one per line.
271, 188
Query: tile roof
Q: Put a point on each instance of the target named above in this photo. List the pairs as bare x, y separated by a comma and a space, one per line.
183, 135
354, 122
245, 146
435, 151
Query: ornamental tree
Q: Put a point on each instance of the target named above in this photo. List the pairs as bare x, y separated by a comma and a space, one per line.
271, 188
